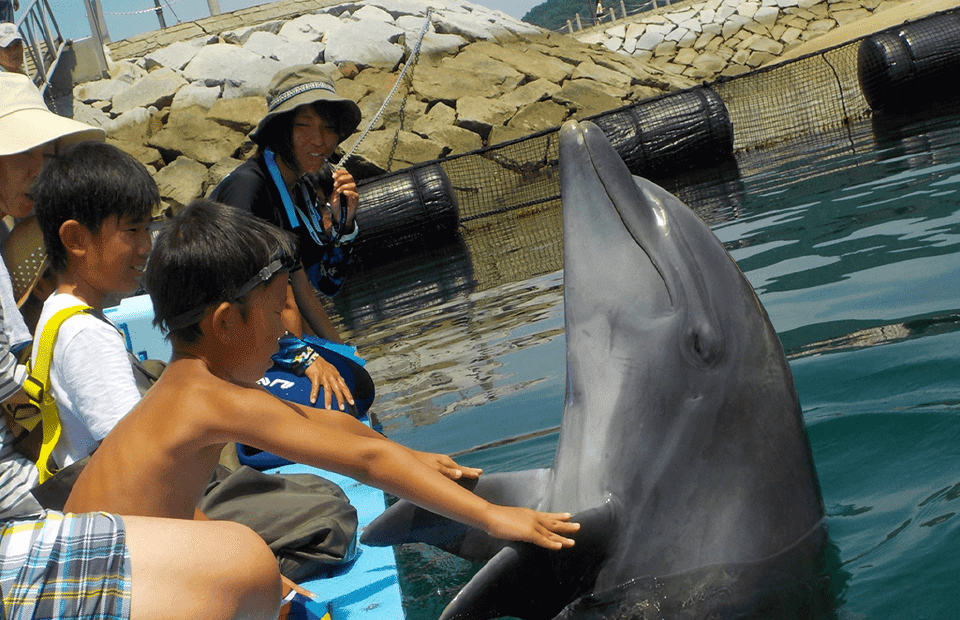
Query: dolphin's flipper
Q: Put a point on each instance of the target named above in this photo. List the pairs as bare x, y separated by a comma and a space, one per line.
405, 522
523, 580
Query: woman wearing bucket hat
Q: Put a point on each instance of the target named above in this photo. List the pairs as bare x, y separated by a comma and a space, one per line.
56, 565
305, 122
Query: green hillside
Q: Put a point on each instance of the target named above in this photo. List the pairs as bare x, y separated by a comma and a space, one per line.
553, 14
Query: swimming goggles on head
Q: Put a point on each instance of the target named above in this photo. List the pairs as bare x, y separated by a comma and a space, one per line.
283, 263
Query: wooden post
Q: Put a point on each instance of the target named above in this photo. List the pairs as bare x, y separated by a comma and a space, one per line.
214, 6
579, 23
570, 26
623, 9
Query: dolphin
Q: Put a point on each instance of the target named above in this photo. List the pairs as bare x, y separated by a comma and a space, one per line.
682, 449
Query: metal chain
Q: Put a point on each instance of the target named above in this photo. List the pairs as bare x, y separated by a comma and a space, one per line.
414, 57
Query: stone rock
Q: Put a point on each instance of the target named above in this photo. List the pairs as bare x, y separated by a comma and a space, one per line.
309, 27
101, 90
531, 93
474, 27
455, 140
709, 62
480, 115
767, 16
463, 76
89, 114
594, 71
372, 13
539, 116
175, 56
181, 181
134, 126
149, 157
586, 97
370, 105
218, 63
240, 35
241, 115
126, 71
218, 172
368, 44
251, 80
156, 89
440, 115
532, 63
190, 133
286, 52
402, 8
411, 149
686, 56
196, 94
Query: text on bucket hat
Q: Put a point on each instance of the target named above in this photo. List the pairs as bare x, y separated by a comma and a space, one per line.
26, 123
300, 85
9, 34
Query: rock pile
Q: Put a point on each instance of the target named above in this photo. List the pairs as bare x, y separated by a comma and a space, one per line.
185, 109
704, 40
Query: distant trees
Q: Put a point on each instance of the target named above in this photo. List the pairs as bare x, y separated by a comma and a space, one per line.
553, 14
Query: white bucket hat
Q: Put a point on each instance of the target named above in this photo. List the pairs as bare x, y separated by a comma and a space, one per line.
9, 34
26, 123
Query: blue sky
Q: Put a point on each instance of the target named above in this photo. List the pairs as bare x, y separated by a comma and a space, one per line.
126, 18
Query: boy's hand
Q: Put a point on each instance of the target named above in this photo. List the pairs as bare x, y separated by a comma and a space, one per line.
546, 529
324, 374
344, 188
447, 466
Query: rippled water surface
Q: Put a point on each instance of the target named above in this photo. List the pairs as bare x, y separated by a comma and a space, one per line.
852, 243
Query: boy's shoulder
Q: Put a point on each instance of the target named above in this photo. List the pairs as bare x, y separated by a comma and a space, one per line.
74, 324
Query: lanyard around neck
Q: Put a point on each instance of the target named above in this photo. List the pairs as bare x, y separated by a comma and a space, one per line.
313, 226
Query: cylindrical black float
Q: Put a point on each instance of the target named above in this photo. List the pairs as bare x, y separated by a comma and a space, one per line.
908, 68
671, 134
413, 206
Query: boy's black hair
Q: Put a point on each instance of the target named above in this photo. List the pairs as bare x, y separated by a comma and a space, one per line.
205, 256
90, 182
278, 133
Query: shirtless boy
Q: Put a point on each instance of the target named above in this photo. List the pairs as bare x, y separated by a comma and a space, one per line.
217, 277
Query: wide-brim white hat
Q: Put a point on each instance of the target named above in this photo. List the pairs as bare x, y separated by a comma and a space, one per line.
26, 123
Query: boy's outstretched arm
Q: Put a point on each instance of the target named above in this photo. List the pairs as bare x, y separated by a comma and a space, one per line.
285, 429
338, 419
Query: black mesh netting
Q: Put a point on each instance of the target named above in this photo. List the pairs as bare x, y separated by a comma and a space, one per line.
497, 208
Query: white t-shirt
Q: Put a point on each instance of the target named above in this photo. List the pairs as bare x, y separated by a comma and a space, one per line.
91, 379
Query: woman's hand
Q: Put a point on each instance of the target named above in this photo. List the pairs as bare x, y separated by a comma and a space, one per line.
344, 188
324, 374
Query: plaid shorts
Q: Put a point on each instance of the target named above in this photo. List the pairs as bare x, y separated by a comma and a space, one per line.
65, 566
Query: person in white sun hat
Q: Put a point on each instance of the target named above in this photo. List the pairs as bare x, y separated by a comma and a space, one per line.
11, 49
56, 565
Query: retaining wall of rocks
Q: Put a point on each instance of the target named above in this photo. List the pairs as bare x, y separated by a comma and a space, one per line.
703, 40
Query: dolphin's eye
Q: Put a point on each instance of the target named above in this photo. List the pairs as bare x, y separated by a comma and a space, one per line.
704, 346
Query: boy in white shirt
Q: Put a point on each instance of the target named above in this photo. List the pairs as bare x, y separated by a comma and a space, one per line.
93, 203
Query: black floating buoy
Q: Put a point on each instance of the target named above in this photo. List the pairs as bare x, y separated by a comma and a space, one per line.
671, 134
413, 206
907, 68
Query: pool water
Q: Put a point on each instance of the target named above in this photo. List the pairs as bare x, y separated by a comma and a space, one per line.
852, 242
